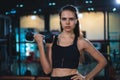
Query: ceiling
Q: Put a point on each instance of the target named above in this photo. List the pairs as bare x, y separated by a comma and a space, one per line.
22, 7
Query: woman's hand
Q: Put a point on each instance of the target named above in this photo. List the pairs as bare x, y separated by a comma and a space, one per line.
78, 77
39, 38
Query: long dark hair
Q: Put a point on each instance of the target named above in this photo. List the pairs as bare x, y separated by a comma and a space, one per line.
75, 11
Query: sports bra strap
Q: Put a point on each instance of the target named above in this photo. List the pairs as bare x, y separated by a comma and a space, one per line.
75, 40
55, 39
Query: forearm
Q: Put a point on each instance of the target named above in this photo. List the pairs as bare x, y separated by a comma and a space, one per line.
96, 70
43, 59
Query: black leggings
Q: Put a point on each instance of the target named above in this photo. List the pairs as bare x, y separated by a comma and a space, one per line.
62, 78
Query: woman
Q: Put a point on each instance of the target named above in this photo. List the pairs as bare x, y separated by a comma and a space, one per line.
63, 54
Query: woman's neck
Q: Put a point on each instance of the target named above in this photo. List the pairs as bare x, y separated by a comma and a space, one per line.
67, 34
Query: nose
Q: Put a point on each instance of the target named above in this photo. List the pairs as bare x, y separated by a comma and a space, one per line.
67, 21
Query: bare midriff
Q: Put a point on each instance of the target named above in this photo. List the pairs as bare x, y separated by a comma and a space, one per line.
60, 72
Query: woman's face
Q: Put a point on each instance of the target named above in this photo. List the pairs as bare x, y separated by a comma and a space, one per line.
68, 20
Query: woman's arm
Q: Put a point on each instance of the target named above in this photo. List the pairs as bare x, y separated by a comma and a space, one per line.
87, 46
44, 59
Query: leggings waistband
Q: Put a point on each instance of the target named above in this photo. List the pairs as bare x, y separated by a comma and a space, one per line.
62, 78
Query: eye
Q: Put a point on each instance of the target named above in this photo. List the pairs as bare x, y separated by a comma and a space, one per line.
63, 19
71, 19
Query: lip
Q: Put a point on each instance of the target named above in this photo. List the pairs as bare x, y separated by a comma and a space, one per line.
67, 27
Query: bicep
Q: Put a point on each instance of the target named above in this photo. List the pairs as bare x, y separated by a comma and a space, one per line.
88, 47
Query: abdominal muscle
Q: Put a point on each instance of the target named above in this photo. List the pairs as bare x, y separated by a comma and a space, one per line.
60, 72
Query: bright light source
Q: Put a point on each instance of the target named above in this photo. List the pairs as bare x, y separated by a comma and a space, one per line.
21, 5
54, 3
34, 12
6, 13
91, 9
13, 11
118, 1
27, 53
91, 1
86, 2
80, 15
33, 17
114, 9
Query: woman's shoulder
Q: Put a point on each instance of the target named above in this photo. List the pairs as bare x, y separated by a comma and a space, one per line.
82, 39
83, 42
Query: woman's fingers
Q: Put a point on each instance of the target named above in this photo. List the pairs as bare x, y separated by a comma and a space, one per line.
38, 37
78, 77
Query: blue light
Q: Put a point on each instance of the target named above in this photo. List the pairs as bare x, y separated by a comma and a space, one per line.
17, 47
13, 11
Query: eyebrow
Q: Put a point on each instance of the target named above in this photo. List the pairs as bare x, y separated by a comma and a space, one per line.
71, 18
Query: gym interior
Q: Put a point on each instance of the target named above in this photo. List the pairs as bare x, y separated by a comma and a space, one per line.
20, 19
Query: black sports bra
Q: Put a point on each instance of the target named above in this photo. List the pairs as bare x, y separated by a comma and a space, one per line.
65, 57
